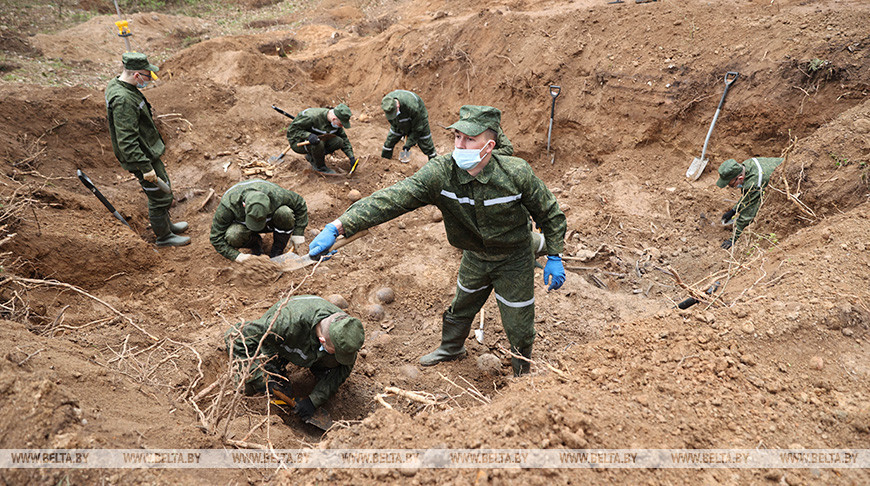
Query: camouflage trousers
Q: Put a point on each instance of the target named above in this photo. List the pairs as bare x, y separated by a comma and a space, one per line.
512, 279
158, 201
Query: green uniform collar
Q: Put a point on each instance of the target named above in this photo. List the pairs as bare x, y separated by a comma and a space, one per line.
483, 177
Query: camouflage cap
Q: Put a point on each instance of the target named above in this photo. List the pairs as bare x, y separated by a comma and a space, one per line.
728, 170
256, 210
343, 113
136, 61
347, 336
388, 104
474, 120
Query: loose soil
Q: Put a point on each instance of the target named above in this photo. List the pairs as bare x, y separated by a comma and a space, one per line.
778, 360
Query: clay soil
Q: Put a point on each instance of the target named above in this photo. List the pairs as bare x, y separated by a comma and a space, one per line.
106, 340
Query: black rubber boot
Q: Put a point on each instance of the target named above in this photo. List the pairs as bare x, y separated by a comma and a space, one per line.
165, 237
520, 366
453, 336
178, 227
279, 243
255, 243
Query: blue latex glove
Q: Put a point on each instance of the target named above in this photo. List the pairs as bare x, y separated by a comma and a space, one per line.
555, 271
324, 241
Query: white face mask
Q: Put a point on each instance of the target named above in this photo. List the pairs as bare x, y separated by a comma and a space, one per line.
467, 159
143, 84
335, 125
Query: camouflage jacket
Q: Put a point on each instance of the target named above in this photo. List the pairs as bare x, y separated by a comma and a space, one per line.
503, 145
313, 120
291, 338
135, 139
412, 120
758, 172
487, 214
231, 210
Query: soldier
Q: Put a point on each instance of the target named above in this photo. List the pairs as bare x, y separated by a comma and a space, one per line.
752, 176
323, 129
138, 145
305, 330
408, 118
253, 207
486, 200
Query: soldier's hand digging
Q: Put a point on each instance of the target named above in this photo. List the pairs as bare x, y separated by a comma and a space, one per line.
728, 215
304, 408
323, 241
313, 139
727, 244
150, 176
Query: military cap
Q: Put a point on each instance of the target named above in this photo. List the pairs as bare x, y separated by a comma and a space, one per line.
256, 210
728, 170
347, 336
388, 104
136, 61
343, 113
474, 120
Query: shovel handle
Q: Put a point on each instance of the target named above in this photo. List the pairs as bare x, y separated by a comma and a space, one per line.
730, 77
279, 110
344, 241
555, 90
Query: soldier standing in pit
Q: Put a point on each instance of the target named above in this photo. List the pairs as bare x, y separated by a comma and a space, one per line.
253, 207
323, 129
486, 200
138, 145
752, 176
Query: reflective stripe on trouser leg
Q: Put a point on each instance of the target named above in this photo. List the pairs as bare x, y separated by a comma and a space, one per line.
426, 144
512, 278
514, 283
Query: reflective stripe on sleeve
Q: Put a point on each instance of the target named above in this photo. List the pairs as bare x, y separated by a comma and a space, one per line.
461, 200
501, 200
514, 304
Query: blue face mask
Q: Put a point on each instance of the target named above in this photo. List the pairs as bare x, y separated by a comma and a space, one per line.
143, 84
335, 125
466, 159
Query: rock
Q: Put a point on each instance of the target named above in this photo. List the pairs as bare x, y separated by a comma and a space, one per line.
748, 327
338, 300
385, 295
489, 363
410, 372
817, 362
848, 332
375, 312
354, 195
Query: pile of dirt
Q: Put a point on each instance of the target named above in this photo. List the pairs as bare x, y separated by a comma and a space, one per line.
112, 343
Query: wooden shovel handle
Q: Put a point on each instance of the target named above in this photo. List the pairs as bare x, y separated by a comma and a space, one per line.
340, 243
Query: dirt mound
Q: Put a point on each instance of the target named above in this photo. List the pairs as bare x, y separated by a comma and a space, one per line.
130, 337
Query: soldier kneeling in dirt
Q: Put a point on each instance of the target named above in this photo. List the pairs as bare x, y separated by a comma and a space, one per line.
323, 129
486, 200
752, 176
305, 330
253, 207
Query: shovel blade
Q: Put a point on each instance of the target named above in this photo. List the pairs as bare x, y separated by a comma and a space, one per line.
291, 261
696, 169
320, 420
478, 334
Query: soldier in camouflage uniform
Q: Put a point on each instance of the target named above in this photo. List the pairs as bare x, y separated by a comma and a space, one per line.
253, 207
138, 145
323, 128
752, 176
408, 118
486, 200
305, 330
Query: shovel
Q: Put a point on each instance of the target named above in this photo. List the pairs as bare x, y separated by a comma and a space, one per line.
698, 165
320, 419
291, 261
279, 158
478, 333
554, 92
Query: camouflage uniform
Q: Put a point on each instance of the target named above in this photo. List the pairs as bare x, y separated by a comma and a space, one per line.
314, 120
228, 230
292, 339
411, 121
487, 216
757, 176
138, 146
